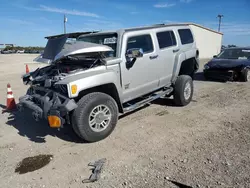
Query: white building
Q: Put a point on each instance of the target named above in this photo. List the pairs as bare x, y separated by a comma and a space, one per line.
207, 40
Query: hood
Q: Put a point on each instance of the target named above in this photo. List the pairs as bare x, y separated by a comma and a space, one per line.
57, 48
80, 47
228, 63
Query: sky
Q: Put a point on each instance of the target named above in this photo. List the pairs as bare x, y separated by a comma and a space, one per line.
27, 22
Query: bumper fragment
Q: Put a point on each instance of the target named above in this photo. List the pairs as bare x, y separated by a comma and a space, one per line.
45, 103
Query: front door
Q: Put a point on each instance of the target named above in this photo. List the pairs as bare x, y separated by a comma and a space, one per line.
140, 77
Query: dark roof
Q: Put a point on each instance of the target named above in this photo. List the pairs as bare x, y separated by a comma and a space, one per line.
71, 35
238, 48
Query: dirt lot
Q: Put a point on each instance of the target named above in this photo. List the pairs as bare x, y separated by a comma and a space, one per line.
204, 144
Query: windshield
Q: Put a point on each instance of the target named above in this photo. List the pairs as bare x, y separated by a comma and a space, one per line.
104, 39
239, 53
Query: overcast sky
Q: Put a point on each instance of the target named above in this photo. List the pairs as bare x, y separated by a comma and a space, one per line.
27, 22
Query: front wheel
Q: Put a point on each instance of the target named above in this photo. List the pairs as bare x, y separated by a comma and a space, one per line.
95, 117
183, 90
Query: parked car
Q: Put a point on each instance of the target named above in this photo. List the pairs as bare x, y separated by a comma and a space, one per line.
20, 51
231, 64
93, 80
7, 52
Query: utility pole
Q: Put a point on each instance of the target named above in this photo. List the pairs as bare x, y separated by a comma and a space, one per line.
220, 16
64, 22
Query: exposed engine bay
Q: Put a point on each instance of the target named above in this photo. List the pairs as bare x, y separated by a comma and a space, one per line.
49, 75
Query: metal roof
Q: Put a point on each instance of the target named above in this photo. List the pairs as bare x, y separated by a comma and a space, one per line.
238, 48
169, 25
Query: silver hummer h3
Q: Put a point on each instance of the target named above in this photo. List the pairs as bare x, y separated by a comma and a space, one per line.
95, 77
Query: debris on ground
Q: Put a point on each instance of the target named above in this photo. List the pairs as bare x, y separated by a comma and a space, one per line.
96, 171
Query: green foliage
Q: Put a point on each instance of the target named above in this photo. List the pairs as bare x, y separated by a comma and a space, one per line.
30, 48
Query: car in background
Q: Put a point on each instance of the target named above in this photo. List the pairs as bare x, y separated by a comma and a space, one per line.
7, 52
231, 64
20, 51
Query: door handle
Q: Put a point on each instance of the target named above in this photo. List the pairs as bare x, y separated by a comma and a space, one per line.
177, 50
153, 57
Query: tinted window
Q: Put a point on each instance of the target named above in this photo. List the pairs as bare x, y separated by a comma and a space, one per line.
166, 39
186, 36
142, 41
106, 39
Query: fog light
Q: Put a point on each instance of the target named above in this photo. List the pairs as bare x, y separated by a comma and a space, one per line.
54, 121
73, 89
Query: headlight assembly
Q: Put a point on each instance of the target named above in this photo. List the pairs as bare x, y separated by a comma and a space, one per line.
206, 67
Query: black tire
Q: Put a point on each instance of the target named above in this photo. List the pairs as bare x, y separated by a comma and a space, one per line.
179, 89
80, 116
206, 77
245, 75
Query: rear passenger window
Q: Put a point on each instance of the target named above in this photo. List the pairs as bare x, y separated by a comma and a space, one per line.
186, 36
142, 41
166, 39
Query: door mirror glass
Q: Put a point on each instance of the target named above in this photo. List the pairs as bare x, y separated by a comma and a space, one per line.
215, 56
134, 53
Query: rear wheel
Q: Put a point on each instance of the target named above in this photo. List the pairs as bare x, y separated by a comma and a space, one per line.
95, 117
183, 90
245, 75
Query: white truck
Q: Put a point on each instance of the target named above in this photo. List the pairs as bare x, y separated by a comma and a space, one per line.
92, 80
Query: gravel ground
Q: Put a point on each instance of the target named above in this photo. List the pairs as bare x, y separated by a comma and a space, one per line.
201, 145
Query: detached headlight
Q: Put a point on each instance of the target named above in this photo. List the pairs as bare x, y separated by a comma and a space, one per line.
206, 67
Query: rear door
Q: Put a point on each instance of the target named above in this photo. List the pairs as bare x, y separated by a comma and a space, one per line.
187, 42
168, 49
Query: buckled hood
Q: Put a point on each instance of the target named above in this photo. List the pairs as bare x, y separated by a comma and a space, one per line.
59, 48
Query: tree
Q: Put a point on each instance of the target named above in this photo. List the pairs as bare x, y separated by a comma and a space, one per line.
231, 46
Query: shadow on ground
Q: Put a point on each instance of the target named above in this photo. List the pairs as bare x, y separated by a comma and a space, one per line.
199, 76
37, 131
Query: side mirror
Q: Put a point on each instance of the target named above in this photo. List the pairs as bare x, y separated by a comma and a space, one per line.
215, 56
134, 53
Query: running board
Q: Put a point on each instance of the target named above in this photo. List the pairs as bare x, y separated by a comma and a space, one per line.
146, 101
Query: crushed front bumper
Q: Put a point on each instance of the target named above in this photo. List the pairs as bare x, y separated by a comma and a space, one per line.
220, 74
45, 102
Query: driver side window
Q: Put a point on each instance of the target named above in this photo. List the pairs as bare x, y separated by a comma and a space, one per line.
141, 41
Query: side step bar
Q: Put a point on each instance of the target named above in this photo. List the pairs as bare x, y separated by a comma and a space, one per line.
151, 98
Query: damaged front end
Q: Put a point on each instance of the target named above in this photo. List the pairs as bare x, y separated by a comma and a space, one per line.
47, 97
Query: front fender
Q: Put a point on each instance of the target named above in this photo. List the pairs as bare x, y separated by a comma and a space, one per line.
91, 79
